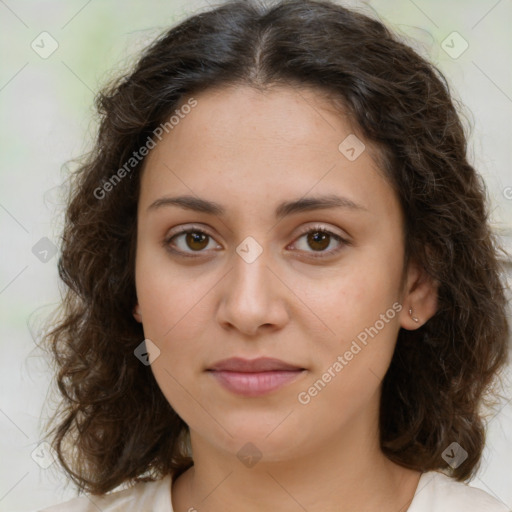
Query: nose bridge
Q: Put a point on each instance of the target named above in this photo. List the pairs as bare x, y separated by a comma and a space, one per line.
250, 276
251, 297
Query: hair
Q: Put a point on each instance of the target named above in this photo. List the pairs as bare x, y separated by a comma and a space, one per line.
113, 424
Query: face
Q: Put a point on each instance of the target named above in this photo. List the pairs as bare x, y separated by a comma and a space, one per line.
287, 247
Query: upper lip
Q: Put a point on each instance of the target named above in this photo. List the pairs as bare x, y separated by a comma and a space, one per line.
261, 364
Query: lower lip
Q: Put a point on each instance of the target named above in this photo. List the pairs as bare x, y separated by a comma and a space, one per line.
255, 384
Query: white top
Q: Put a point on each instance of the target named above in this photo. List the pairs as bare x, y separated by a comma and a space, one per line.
435, 493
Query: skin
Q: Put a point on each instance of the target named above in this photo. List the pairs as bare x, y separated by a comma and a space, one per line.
250, 150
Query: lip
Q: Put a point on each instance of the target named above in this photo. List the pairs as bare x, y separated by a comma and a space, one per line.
254, 377
261, 364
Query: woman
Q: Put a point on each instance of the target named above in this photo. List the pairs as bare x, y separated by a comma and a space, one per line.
283, 292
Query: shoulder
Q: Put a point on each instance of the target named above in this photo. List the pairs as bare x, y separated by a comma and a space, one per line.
151, 496
437, 492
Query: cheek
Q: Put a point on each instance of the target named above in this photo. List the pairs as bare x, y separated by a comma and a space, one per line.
361, 308
355, 298
350, 364
176, 324
170, 298
174, 312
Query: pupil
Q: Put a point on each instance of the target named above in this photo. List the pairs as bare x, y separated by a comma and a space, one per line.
317, 240
194, 238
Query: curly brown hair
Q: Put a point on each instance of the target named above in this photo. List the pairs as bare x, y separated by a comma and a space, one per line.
114, 425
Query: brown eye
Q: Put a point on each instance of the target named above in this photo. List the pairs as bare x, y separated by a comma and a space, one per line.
190, 241
196, 240
318, 240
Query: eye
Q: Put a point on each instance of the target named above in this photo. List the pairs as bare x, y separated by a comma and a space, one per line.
318, 238
195, 240
188, 241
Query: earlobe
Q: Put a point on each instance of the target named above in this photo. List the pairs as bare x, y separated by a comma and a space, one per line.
412, 316
137, 314
420, 298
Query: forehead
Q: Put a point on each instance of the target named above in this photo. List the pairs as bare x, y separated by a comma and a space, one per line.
278, 116
251, 144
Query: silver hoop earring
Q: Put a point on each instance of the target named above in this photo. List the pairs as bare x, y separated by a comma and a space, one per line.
413, 317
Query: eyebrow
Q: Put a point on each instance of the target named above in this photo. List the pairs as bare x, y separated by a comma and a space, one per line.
283, 210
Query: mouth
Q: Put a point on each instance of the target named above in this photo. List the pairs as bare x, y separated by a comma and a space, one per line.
254, 377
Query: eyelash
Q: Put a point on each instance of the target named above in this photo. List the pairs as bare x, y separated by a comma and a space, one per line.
315, 229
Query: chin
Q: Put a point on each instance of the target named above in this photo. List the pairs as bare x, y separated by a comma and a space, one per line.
252, 438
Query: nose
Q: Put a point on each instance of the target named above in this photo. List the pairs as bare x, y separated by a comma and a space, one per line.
253, 299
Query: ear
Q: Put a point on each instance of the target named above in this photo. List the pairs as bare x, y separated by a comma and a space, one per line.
136, 313
420, 296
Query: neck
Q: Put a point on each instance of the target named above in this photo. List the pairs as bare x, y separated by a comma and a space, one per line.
347, 473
